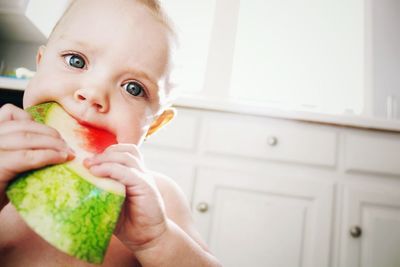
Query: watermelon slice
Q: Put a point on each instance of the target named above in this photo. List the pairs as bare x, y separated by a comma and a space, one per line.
67, 206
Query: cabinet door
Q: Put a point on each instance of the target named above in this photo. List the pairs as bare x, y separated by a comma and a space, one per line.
264, 220
371, 232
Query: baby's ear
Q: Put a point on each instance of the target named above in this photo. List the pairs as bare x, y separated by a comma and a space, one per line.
39, 55
161, 120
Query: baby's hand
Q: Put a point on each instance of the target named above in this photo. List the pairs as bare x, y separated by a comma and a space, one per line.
143, 217
26, 145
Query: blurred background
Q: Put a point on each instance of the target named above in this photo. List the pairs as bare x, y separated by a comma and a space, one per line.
286, 142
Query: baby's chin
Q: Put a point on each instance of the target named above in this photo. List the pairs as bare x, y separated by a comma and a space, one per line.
137, 141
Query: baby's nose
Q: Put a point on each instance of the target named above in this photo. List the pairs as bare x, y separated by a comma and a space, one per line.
89, 97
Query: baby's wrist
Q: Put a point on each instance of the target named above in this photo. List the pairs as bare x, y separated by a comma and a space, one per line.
137, 242
157, 247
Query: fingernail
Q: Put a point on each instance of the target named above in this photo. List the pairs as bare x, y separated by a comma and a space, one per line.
64, 155
86, 162
71, 157
70, 151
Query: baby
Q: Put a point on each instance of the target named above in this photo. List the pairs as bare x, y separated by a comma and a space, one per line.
107, 63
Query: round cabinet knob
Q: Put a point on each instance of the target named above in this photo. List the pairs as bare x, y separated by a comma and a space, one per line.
202, 207
272, 140
355, 231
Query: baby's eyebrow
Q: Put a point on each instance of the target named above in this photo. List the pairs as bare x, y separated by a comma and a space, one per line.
143, 75
79, 43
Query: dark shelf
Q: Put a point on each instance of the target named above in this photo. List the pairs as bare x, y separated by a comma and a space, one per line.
11, 96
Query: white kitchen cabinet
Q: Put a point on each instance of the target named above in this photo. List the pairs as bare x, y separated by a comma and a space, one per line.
371, 227
372, 152
271, 139
264, 220
276, 192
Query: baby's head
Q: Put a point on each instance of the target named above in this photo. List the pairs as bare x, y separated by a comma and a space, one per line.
107, 62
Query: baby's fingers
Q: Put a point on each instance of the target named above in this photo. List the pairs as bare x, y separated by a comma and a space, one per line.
29, 140
129, 177
11, 112
114, 171
11, 127
123, 158
33, 159
14, 162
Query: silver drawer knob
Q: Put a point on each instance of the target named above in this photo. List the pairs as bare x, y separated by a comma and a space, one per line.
202, 207
355, 231
272, 140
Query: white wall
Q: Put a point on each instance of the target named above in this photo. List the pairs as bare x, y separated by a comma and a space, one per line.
385, 37
17, 54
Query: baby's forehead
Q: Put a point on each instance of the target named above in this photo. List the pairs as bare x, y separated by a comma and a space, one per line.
99, 13
83, 7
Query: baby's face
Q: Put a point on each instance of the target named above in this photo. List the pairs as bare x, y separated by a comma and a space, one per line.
107, 65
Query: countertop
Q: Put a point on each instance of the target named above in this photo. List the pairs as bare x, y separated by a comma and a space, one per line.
355, 121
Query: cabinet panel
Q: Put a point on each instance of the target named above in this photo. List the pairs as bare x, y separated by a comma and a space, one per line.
182, 174
254, 220
244, 219
381, 245
370, 152
377, 214
270, 139
181, 134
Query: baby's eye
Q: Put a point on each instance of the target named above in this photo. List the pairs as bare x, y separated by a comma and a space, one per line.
134, 88
75, 61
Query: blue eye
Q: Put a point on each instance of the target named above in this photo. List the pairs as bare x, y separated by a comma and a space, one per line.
134, 88
75, 61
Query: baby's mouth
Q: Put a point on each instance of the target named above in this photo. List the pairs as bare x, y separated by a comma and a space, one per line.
86, 123
97, 137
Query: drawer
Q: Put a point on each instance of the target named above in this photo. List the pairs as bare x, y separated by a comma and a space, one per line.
372, 152
270, 139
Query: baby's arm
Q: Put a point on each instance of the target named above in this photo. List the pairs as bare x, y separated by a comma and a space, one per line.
26, 145
181, 244
155, 222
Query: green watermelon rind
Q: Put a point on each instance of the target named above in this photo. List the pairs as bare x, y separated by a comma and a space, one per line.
39, 112
67, 211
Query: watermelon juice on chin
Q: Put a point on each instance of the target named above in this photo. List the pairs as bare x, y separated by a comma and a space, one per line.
65, 204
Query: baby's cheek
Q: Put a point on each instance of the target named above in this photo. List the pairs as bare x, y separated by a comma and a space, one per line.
132, 133
132, 125
34, 95
43, 89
